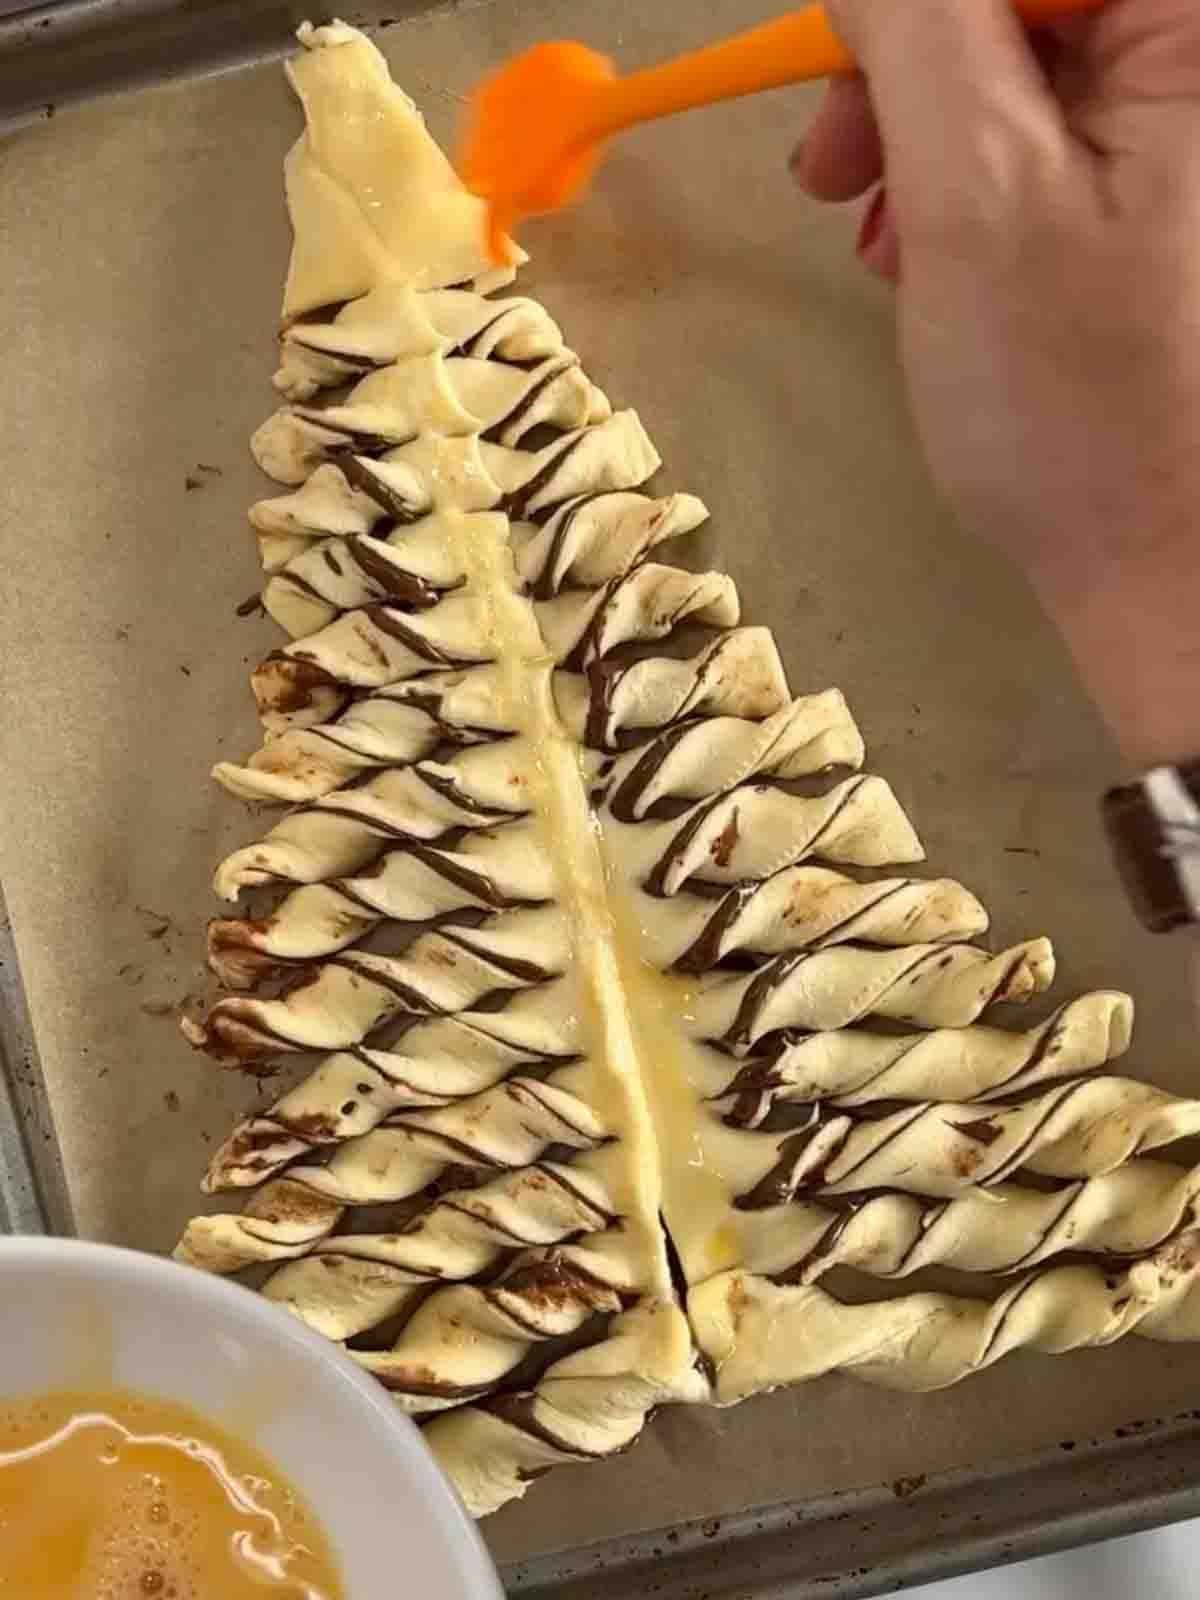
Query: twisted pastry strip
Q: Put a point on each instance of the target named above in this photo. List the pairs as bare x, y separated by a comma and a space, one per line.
432, 472
383, 730
459, 395
712, 754
359, 492
542, 1295
463, 1340
760, 1335
591, 1404
1072, 1130
806, 908
491, 871
458, 1234
1130, 1211
805, 748
852, 1067
597, 537
339, 1003
282, 1220
648, 602
464, 707
291, 1216
1175, 1317
593, 539
737, 674
506, 1128
431, 393
353, 1282
443, 1059
412, 568
339, 833
934, 986
613, 454
754, 831
694, 759
380, 645
327, 506
346, 1095
395, 320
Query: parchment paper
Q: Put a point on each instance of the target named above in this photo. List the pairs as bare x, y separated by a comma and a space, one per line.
143, 246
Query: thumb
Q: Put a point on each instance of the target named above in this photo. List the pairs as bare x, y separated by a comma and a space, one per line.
964, 111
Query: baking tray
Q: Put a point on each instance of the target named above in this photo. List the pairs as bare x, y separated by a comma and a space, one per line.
142, 245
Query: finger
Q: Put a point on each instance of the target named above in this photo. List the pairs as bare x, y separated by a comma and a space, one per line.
1148, 49
1130, 81
962, 105
840, 157
878, 242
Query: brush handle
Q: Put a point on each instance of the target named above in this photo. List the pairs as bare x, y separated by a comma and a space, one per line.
791, 49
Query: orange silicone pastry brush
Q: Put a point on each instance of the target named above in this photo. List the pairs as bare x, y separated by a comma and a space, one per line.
537, 127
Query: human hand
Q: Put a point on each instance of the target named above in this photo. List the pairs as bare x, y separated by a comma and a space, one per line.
1041, 218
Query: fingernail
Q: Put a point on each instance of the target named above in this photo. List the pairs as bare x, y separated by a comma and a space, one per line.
872, 222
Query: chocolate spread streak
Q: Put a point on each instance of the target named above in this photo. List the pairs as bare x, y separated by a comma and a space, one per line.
360, 475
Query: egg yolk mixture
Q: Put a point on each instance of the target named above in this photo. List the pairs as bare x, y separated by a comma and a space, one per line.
118, 1496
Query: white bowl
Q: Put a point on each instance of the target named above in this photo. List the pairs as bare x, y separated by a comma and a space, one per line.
76, 1315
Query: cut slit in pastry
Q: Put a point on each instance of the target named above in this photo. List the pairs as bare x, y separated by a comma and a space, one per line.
666, 1026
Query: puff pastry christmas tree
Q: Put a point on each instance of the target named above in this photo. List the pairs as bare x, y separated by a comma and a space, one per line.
630, 1020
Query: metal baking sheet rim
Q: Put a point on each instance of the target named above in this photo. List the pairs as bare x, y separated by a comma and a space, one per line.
866, 1542
33, 1191
896, 1536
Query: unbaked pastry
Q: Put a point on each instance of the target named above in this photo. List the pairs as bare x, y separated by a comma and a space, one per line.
637, 1022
